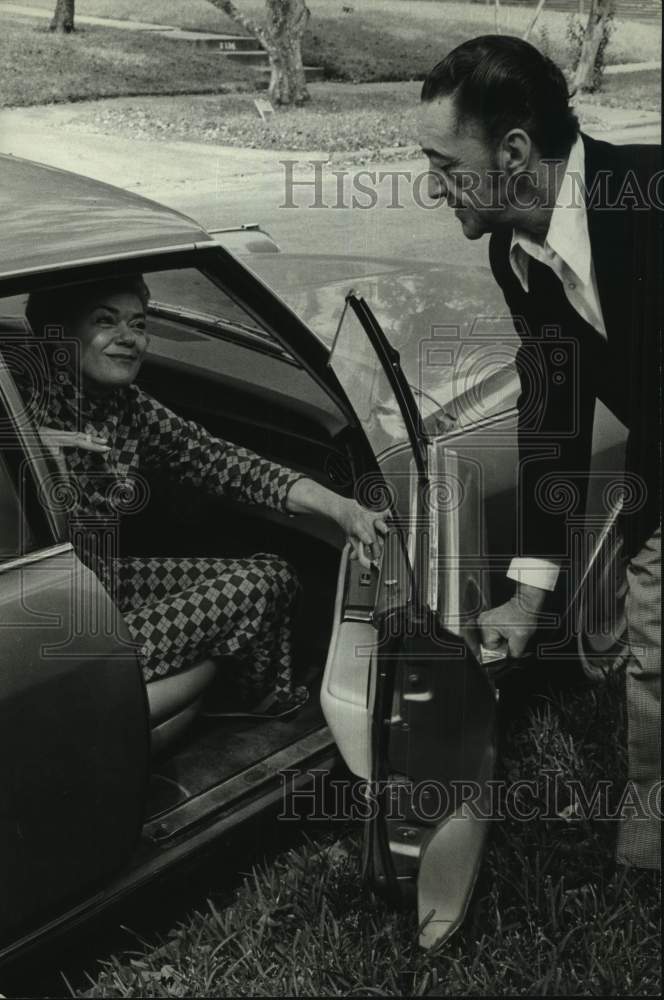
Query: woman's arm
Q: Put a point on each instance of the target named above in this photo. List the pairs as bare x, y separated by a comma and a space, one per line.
196, 456
193, 455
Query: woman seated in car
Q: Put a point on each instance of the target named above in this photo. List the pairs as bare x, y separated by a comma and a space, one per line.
178, 610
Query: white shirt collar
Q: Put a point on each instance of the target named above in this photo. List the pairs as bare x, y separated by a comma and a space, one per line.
567, 237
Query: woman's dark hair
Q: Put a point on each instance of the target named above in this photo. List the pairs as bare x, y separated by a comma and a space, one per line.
54, 307
502, 82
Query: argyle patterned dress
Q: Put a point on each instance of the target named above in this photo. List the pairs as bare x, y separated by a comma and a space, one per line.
178, 610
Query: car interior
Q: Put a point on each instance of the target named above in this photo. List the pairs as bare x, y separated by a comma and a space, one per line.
192, 752
244, 387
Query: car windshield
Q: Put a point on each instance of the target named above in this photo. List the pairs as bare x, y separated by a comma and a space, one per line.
189, 292
457, 376
454, 334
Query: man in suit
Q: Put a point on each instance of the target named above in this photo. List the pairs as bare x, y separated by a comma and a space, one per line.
575, 245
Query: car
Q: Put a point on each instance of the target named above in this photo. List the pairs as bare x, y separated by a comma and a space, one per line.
394, 380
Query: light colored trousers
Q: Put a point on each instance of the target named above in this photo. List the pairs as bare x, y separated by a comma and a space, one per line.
639, 842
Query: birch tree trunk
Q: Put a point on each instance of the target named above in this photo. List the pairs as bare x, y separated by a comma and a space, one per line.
592, 39
281, 37
63, 18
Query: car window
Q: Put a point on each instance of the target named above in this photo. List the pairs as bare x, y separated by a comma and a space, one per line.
10, 516
193, 322
16, 535
190, 321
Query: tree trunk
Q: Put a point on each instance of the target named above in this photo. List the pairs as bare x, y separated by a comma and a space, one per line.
287, 80
592, 39
538, 11
281, 36
63, 18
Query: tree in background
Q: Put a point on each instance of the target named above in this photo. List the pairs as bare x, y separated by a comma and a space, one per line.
587, 75
63, 18
280, 34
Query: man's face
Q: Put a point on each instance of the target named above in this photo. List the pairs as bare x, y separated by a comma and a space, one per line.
462, 169
113, 339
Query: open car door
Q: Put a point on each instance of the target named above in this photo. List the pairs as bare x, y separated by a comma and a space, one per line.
74, 737
430, 704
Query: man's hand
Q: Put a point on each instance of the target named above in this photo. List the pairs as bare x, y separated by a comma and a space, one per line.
514, 622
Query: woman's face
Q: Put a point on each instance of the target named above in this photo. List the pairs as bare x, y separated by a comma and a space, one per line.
113, 339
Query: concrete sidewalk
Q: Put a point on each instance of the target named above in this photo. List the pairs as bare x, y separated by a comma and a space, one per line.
19, 10
119, 24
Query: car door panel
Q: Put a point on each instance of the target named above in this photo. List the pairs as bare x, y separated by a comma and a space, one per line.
430, 701
74, 734
73, 738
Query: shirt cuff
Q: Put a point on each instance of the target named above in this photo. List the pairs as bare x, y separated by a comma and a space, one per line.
540, 573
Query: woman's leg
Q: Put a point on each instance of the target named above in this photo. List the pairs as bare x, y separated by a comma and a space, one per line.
181, 610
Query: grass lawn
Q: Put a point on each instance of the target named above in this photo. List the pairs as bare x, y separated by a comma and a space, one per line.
411, 24
630, 90
547, 916
397, 40
381, 40
37, 67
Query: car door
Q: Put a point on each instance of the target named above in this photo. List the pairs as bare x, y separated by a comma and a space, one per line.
410, 703
74, 738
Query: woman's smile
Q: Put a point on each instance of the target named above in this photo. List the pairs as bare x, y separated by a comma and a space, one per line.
127, 358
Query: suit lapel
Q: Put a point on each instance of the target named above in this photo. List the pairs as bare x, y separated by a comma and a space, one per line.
608, 232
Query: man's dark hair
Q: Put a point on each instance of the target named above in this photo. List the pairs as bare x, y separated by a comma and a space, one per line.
502, 82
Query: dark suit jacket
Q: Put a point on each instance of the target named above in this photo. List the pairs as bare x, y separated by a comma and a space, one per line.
564, 363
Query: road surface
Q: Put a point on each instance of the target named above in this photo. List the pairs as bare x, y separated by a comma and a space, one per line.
375, 210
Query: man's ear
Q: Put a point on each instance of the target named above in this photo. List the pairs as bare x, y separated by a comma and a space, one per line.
515, 151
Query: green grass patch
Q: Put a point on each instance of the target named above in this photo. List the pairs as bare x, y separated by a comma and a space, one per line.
548, 916
397, 40
383, 40
37, 67
640, 91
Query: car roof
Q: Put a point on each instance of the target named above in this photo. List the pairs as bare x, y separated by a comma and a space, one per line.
52, 218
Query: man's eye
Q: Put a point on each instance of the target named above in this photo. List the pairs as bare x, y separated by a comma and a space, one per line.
105, 320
